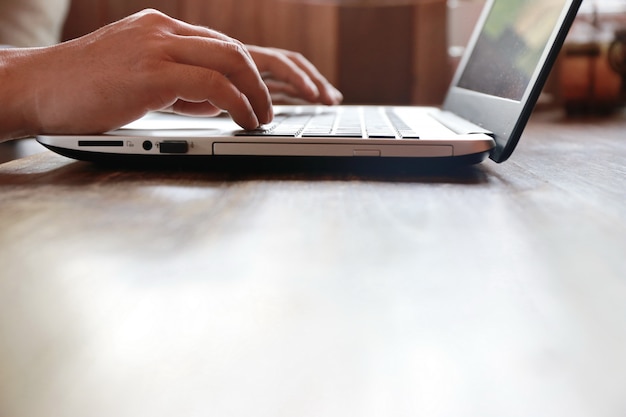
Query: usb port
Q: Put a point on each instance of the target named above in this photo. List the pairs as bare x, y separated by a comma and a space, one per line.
174, 146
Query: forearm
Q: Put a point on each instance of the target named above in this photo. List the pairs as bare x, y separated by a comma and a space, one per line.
15, 121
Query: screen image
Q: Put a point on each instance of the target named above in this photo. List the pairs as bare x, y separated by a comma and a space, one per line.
510, 46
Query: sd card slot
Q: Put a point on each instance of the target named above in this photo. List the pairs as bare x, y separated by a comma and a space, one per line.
105, 143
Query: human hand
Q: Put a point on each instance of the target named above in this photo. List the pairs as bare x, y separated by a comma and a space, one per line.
290, 77
147, 61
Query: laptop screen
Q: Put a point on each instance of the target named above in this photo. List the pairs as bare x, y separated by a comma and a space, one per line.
510, 47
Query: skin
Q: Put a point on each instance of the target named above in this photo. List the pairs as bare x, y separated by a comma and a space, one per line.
146, 62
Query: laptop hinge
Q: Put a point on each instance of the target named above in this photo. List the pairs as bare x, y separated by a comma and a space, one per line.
458, 124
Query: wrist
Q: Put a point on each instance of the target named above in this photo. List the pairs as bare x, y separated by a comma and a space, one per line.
15, 95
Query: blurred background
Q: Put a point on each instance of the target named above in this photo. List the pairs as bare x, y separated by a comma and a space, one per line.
375, 51
592, 68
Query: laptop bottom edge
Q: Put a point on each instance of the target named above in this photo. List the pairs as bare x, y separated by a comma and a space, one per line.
252, 163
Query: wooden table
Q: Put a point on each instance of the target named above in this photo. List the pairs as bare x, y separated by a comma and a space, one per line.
496, 290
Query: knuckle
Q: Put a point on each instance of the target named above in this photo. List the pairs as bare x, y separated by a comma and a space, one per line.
237, 48
293, 55
147, 27
213, 79
151, 16
298, 57
237, 53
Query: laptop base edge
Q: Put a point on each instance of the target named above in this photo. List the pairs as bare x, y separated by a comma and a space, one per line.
264, 163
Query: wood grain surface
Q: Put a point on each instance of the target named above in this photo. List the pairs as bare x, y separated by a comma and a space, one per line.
493, 290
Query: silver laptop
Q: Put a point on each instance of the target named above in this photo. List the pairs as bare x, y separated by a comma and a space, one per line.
488, 103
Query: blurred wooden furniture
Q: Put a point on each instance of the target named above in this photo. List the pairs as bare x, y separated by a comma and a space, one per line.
486, 291
376, 51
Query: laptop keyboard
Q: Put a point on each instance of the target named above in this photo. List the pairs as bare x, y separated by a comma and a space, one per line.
345, 122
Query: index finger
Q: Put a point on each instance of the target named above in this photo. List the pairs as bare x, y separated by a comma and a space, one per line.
231, 59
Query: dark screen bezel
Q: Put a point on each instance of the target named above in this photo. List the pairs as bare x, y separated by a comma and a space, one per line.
504, 117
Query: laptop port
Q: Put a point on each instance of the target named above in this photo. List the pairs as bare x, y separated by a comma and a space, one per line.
174, 146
